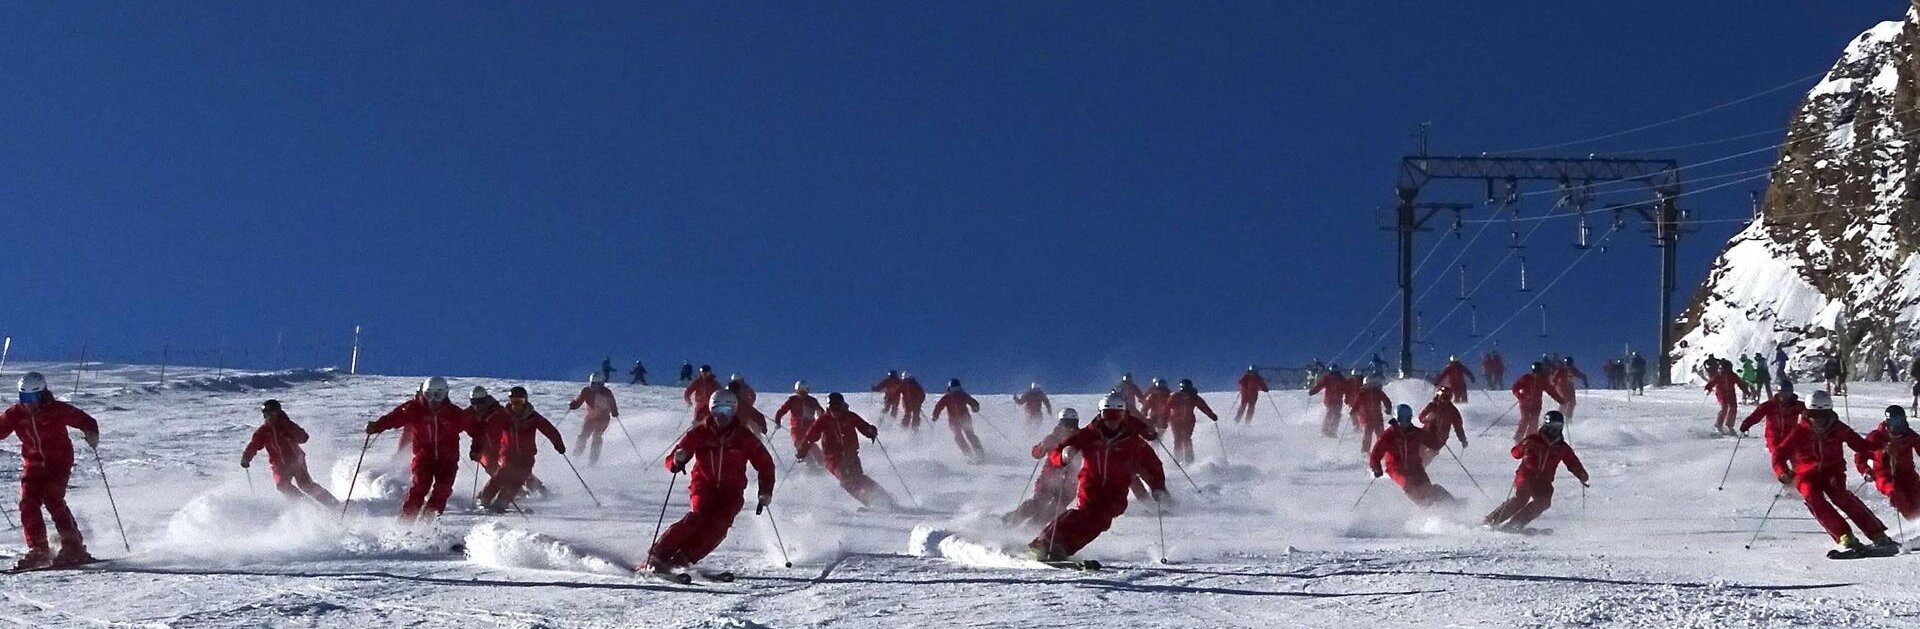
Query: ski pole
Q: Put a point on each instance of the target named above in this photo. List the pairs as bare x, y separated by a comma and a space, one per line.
1463, 469
1583, 501
1222, 438
1275, 407
1730, 457
1768, 514
250, 490
663, 511
776, 535
10, 525
896, 470
623, 431
1176, 465
1501, 418
6, 347
110, 501
1159, 516
1363, 492
355, 478
1030, 476
583, 482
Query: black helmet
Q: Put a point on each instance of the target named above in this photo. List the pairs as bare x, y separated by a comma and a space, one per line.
270, 405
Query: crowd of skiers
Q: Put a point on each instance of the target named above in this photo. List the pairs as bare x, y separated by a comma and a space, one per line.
1084, 474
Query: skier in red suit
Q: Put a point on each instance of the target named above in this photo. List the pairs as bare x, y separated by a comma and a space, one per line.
889, 390
959, 409
1131, 391
912, 398
1034, 403
1527, 391
1888, 462
1493, 369
1541, 454
1400, 454
436, 425
1332, 389
1780, 412
838, 433
1112, 455
46, 462
281, 439
719, 450
1370, 408
1186, 405
699, 391
1811, 459
1454, 378
1050, 485
1441, 417
515, 429
1154, 405
601, 411
1251, 386
804, 409
1723, 385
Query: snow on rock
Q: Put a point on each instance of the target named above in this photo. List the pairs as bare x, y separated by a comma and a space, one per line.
1830, 265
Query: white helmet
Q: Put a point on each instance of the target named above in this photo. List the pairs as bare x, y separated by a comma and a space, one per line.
478, 393
733, 378
595, 377
1822, 401
434, 389
722, 404
800, 386
1113, 402
1067, 414
1033, 386
33, 382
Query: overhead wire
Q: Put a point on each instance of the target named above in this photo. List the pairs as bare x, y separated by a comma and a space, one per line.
1662, 123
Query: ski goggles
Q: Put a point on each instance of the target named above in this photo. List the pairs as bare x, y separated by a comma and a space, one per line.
31, 397
723, 410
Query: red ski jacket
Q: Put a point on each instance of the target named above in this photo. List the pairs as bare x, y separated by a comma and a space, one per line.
1184, 403
700, 390
1399, 450
1110, 460
598, 400
1808, 451
838, 433
958, 406
1250, 383
803, 408
888, 388
436, 430
1131, 391
44, 442
720, 458
912, 395
1540, 461
514, 433
1528, 389
1724, 385
1888, 456
281, 438
1371, 406
1440, 417
1332, 388
1034, 402
1780, 419
1454, 376
1154, 404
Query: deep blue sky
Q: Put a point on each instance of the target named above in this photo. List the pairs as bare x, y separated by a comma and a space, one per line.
997, 191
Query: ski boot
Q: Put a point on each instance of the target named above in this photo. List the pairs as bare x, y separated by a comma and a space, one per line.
73, 554
1883, 546
1849, 548
35, 558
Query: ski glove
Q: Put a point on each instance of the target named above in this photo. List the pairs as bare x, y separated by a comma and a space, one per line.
371, 430
1377, 473
680, 459
93, 440
560, 448
765, 499
1786, 478
872, 433
246, 461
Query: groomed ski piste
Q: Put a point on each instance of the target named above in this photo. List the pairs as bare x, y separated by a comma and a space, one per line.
1271, 538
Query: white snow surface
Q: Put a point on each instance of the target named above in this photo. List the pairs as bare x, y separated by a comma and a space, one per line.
1271, 539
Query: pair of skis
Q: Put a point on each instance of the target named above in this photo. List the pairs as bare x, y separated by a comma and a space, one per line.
686, 577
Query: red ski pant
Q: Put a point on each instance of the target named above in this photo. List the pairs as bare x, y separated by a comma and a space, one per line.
963, 435
46, 487
1418, 487
1529, 421
710, 513
1459, 389
293, 480
592, 433
1528, 502
1244, 412
506, 484
1903, 490
1079, 526
1183, 437
1051, 495
847, 469
1828, 498
1330, 424
432, 484
910, 416
1566, 407
1729, 414
797, 428
1369, 428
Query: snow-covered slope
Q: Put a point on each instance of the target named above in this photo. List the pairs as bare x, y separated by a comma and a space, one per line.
1270, 539
1833, 256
